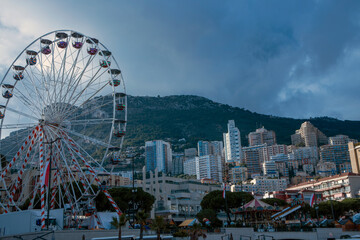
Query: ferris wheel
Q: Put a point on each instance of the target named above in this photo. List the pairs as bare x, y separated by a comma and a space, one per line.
63, 114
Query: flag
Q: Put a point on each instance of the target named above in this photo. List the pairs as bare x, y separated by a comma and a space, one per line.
312, 200
45, 177
224, 190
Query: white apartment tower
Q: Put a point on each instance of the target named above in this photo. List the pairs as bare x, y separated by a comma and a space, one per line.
209, 167
232, 143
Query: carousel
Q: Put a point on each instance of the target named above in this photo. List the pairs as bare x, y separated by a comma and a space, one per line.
255, 213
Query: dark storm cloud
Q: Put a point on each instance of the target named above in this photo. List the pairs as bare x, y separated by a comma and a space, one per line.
288, 58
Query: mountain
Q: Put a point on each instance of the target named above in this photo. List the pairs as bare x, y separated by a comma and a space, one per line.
192, 118
197, 118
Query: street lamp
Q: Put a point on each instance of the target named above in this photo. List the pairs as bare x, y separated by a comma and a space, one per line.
133, 187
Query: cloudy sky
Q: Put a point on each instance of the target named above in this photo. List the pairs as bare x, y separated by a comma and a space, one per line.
286, 58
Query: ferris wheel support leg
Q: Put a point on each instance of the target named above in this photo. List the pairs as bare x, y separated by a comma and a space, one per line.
11, 163
21, 172
41, 155
67, 193
9, 166
92, 171
31, 204
53, 191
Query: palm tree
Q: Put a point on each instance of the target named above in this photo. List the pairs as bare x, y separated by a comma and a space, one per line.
196, 232
118, 223
158, 225
141, 217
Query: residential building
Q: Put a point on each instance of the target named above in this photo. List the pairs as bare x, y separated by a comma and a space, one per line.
209, 167
175, 197
354, 153
177, 163
261, 185
340, 140
269, 169
338, 187
309, 136
252, 161
280, 162
190, 153
262, 136
210, 148
238, 174
274, 150
326, 169
190, 166
158, 155
232, 143
338, 154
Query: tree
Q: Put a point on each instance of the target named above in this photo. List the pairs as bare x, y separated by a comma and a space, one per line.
215, 201
351, 204
196, 232
275, 201
158, 225
118, 223
141, 217
210, 214
325, 209
124, 198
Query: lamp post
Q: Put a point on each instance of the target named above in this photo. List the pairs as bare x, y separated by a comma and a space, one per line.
332, 207
49, 182
133, 187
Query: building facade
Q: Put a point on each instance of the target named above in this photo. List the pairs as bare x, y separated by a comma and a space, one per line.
338, 187
262, 136
175, 197
158, 155
232, 143
309, 136
209, 167
338, 154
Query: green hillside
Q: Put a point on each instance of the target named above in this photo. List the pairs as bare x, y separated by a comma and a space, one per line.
196, 118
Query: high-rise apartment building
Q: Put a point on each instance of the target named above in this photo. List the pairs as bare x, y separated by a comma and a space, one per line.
190, 166
209, 167
190, 153
210, 148
238, 174
269, 168
232, 143
177, 163
338, 154
308, 136
158, 155
354, 152
252, 161
306, 155
261, 136
340, 140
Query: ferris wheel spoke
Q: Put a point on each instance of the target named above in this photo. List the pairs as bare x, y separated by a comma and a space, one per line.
87, 138
91, 121
86, 101
21, 113
86, 112
76, 97
31, 107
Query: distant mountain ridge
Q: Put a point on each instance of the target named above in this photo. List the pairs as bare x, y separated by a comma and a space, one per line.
197, 118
